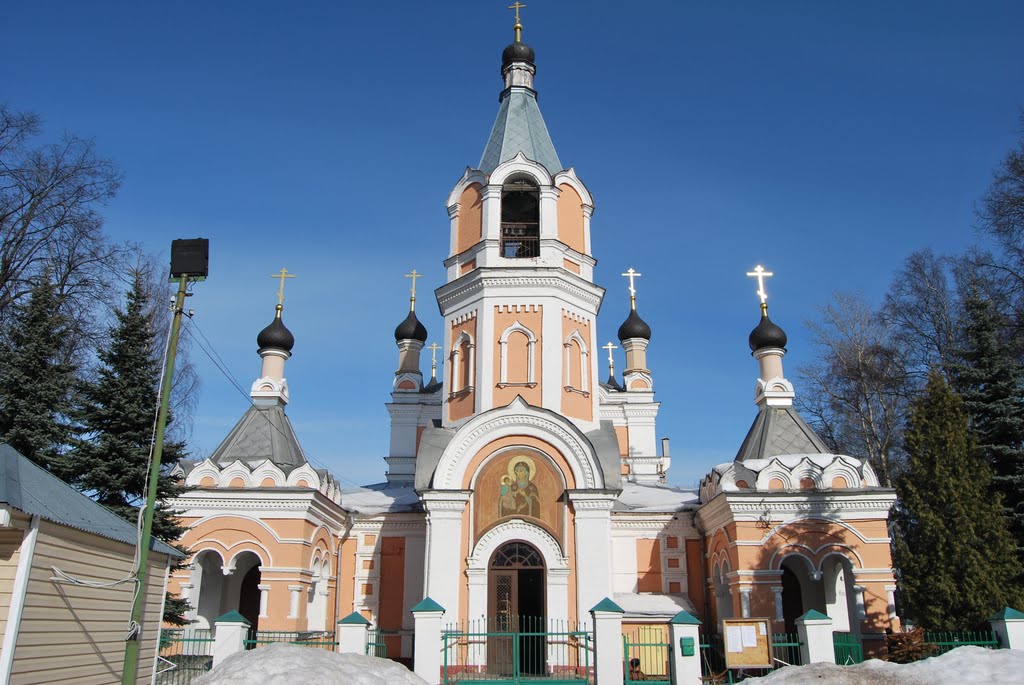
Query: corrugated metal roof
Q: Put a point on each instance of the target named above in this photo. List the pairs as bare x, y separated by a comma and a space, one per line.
778, 431
519, 127
31, 489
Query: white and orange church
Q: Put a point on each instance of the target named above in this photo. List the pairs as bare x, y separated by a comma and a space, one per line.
521, 483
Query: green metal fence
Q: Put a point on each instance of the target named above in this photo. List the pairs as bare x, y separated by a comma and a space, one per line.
517, 649
309, 638
786, 650
375, 645
946, 641
185, 653
848, 648
646, 652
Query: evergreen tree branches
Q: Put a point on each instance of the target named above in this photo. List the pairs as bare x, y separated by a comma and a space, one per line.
35, 379
116, 418
990, 380
955, 557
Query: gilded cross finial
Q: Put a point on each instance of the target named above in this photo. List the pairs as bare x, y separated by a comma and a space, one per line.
433, 347
412, 300
632, 274
611, 359
518, 28
760, 274
282, 274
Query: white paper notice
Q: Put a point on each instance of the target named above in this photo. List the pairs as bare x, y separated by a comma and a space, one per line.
749, 636
760, 628
734, 638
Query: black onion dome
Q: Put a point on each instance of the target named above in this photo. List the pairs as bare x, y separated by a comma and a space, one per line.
634, 327
767, 334
411, 329
276, 336
516, 52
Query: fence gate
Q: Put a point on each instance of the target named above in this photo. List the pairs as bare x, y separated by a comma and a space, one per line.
646, 655
848, 649
517, 649
185, 653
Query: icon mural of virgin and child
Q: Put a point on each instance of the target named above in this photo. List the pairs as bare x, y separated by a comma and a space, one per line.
518, 495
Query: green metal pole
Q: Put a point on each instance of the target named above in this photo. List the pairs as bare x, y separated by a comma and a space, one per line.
131, 647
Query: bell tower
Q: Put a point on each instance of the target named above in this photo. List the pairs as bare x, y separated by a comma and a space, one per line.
520, 304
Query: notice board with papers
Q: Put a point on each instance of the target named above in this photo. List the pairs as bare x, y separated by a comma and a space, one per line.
747, 642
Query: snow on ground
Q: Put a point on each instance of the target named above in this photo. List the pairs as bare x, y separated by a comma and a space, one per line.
961, 666
286, 664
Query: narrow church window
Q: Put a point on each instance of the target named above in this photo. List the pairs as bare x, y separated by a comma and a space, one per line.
462, 364
520, 218
577, 364
517, 344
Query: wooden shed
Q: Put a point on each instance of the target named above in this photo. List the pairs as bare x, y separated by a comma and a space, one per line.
63, 612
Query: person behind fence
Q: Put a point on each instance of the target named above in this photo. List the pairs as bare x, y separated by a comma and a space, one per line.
635, 672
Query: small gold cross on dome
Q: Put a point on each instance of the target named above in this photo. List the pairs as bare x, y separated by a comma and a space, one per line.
516, 6
414, 274
611, 359
282, 274
632, 274
433, 347
760, 274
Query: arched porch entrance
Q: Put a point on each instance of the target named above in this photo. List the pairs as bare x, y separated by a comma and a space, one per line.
516, 604
829, 590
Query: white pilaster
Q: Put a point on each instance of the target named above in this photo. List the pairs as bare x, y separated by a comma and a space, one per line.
779, 615
593, 546
294, 592
745, 602
442, 571
264, 599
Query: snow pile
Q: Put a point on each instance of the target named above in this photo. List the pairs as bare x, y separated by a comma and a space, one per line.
961, 666
287, 664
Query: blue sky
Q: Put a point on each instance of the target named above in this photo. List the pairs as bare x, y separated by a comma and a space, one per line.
824, 140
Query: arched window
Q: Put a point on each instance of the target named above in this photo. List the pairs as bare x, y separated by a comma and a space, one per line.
462, 363
517, 345
577, 364
520, 218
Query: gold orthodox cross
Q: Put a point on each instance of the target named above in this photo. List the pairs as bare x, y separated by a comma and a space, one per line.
516, 6
413, 275
611, 359
433, 347
760, 274
632, 274
282, 274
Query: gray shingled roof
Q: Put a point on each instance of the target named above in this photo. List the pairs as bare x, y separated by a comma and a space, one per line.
778, 431
31, 489
263, 432
519, 127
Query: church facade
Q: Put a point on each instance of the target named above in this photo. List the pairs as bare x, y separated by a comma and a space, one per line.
520, 483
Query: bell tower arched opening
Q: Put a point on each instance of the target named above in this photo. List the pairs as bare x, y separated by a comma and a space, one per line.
520, 218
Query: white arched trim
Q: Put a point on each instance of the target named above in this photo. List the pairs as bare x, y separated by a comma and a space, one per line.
576, 338
520, 165
469, 177
518, 418
456, 362
264, 558
531, 344
306, 473
806, 553
569, 178
802, 519
556, 566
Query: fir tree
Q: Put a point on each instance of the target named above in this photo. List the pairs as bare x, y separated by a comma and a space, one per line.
990, 380
117, 414
35, 379
954, 555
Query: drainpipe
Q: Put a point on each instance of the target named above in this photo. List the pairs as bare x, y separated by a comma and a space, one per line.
337, 578
18, 592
